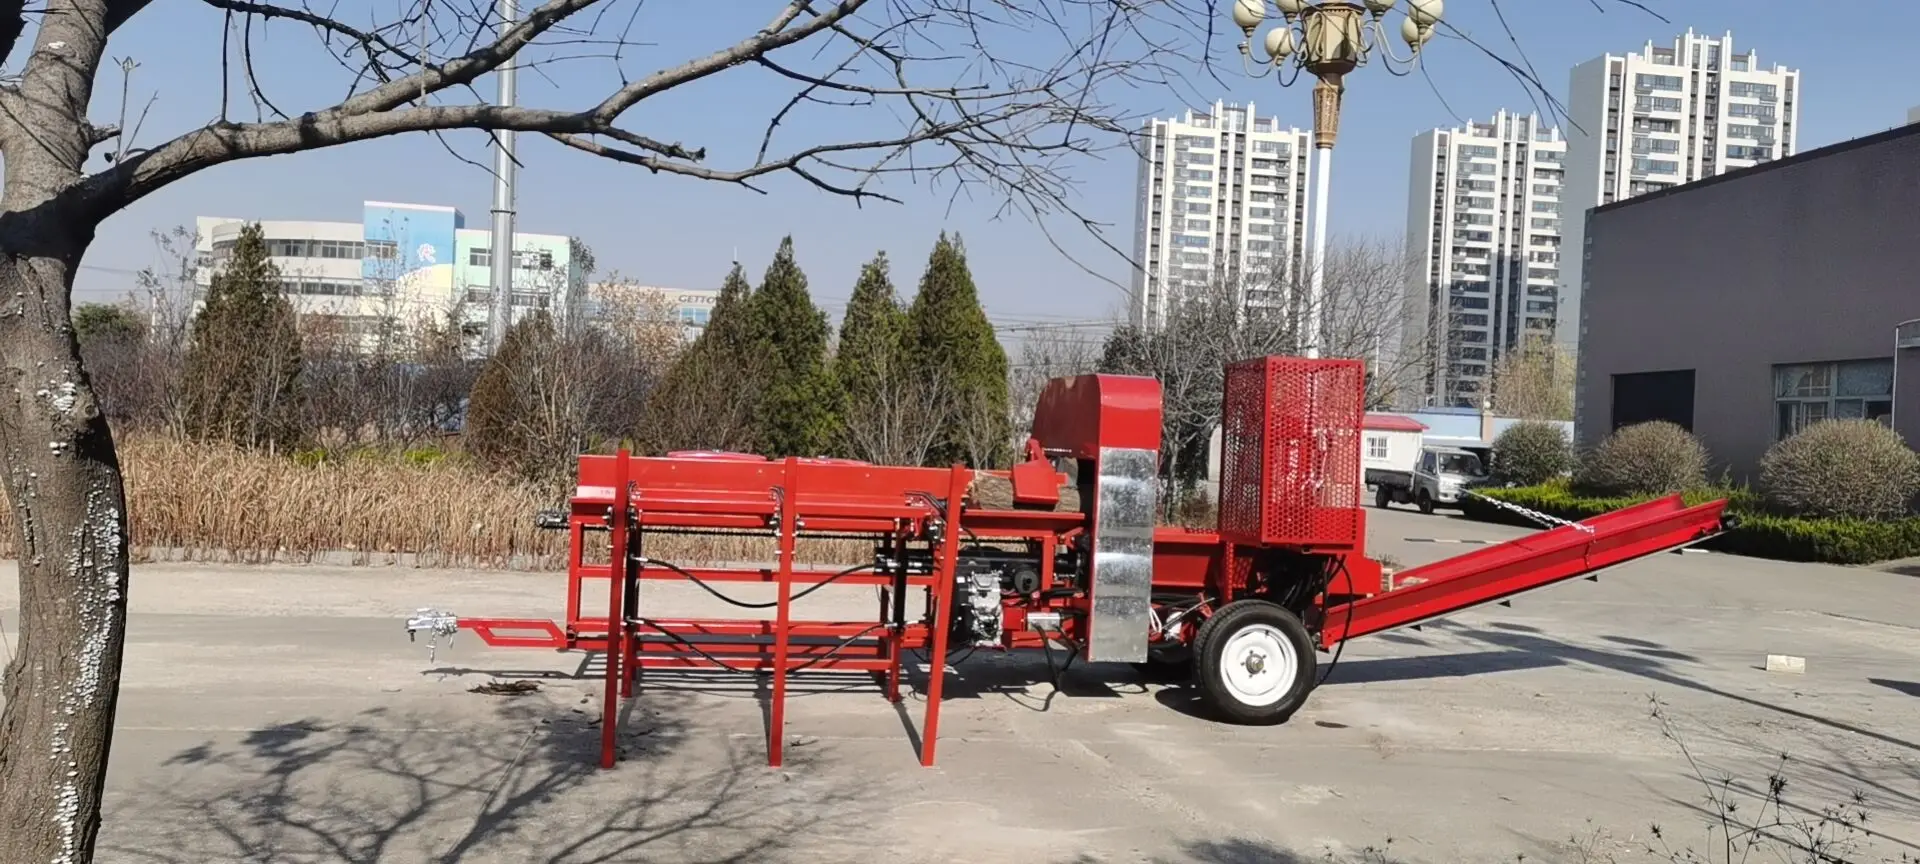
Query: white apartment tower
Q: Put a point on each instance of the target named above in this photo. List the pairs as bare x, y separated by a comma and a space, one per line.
1483, 227
1221, 195
1668, 115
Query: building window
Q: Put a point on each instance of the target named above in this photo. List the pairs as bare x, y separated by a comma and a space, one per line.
1376, 446
1807, 393
1657, 82
1639, 397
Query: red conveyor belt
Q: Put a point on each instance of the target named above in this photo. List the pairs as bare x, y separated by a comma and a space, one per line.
1537, 560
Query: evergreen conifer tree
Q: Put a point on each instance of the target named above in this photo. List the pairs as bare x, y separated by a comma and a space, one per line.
796, 415
242, 376
499, 431
730, 328
710, 396
952, 341
869, 354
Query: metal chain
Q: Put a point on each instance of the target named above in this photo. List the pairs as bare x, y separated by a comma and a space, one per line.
1535, 515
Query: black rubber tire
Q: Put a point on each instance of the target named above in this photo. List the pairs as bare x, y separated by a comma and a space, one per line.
1426, 502
1209, 650
1382, 496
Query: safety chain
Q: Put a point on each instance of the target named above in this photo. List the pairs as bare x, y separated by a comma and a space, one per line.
1535, 515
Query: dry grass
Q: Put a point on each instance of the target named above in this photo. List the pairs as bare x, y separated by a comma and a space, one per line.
203, 502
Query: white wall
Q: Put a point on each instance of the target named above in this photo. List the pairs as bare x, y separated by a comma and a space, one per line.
1402, 449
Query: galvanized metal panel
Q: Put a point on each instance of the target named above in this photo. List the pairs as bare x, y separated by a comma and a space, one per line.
1125, 512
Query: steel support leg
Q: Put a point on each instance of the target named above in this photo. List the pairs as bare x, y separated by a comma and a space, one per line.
945, 566
616, 609
783, 615
894, 612
630, 612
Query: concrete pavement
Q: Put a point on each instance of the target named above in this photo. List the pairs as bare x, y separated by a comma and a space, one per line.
278, 714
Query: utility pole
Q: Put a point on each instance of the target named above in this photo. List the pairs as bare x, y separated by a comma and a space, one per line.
503, 165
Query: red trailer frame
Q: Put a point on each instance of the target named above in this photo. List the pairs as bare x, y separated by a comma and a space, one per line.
1104, 579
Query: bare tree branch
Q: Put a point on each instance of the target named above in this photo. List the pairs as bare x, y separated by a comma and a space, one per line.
372, 43
1004, 122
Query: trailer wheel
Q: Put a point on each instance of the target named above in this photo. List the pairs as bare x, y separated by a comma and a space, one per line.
1255, 662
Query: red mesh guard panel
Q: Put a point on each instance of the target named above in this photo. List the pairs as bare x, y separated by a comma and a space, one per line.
1290, 452
1243, 423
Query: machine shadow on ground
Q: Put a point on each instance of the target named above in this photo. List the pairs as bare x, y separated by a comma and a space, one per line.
1028, 678
521, 785
1822, 772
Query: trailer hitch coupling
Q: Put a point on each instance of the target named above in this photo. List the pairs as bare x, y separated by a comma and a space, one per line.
437, 624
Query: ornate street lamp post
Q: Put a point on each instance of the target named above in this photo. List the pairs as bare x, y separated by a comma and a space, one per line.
1328, 39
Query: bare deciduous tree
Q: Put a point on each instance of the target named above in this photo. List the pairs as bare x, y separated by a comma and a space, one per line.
1006, 126
1534, 381
1047, 352
644, 319
1369, 314
896, 422
401, 383
1206, 327
1363, 309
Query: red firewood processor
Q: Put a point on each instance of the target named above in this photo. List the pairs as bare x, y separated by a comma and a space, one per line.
1062, 550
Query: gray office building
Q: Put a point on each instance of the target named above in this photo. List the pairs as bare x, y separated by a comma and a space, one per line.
1748, 305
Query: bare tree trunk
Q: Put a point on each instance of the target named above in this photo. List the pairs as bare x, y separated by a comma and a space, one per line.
70, 508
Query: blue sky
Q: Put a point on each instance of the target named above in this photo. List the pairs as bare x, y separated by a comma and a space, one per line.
682, 232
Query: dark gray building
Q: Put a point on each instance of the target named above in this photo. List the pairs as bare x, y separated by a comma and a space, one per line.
1748, 305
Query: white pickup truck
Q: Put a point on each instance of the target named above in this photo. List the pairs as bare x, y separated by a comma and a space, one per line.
1403, 468
1438, 478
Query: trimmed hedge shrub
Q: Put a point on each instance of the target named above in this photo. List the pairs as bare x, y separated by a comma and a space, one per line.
1532, 452
1653, 458
1856, 468
1759, 534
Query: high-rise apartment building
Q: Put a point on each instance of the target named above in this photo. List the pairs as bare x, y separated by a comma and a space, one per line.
1483, 230
1222, 197
1668, 115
